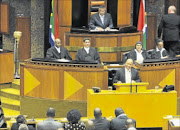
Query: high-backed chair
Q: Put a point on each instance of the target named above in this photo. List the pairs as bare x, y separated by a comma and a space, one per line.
125, 56
93, 6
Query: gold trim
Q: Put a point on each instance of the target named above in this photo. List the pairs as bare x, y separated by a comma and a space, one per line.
103, 49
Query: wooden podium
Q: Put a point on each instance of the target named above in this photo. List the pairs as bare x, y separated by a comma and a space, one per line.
131, 87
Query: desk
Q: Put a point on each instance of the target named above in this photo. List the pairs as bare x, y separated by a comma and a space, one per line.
147, 108
6, 67
62, 81
110, 46
161, 73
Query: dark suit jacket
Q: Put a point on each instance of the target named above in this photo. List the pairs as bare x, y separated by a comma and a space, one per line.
15, 126
53, 53
133, 55
156, 54
101, 124
120, 75
95, 21
170, 25
93, 55
49, 124
119, 123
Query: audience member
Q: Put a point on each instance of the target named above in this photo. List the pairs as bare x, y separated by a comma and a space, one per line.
160, 52
21, 120
90, 125
170, 26
23, 127
99, 122
58, 52
138, 54
127, 74
74, 116
119, 122
101, 21
130, 124
49, 123
87, 53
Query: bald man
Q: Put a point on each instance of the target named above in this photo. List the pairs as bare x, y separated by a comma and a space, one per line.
99, 122
58, 52
130, 124
127, 74
119, 123
170, 26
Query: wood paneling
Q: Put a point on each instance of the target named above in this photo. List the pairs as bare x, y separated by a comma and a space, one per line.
161, 74
62, 31
108, 45
4, 18
65, 12
124, 13
23, 24
6, 67
106, 42
61, 81
151, 28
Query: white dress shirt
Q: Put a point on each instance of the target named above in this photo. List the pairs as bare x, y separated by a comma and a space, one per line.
160, 51
128, 75
139, 56
87, 50
102, 18
58, 49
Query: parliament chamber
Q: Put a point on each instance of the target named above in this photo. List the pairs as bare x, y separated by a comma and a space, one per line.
69, 84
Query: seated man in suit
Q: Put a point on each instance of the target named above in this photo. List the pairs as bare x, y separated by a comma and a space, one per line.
101, 21
87, 53
160, 52
118, 123
138, 54
49, 123
99, 122
127, 74
58, 52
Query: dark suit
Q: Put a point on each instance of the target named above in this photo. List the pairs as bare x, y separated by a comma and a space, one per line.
101, 124
119, 123
93, 55
95, 21
15, 126
156, 54
133, 55
120, 75
53, 53
170, 25
49, 124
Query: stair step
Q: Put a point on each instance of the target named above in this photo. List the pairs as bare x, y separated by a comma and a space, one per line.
11, 91
16, 84
10, 101
10, 112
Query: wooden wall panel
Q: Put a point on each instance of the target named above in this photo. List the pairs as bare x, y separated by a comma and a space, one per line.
108, 56
77, 41
151, 28
23, 24
6, 67
124, 13
4, 18
65, 12
106, 41
130, 40
62, 31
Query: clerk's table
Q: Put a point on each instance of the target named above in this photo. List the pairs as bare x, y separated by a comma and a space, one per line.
147, 108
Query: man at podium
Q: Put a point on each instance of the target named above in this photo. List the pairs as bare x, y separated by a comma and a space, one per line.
127, 74
101, 21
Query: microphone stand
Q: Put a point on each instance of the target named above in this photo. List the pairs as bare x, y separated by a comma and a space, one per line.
131, 84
